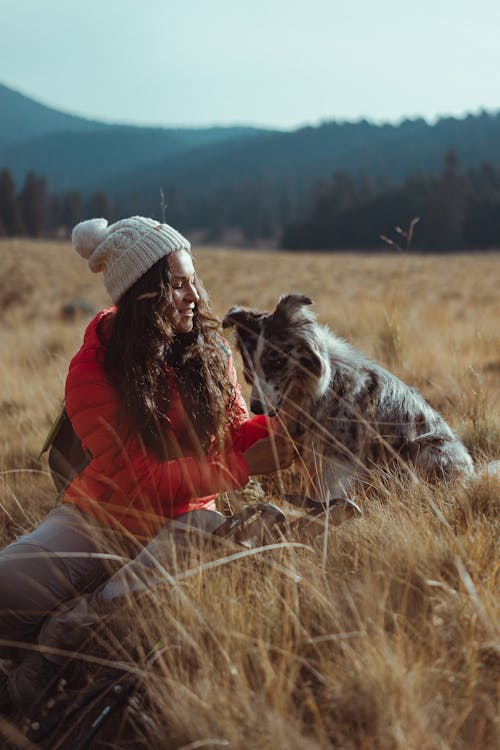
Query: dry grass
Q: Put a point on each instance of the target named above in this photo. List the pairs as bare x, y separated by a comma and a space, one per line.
394, 642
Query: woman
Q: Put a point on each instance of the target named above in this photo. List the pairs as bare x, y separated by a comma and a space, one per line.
153, 396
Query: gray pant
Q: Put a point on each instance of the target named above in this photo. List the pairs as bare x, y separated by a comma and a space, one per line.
44, 574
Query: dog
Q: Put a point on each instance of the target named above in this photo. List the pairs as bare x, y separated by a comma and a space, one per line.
353, 415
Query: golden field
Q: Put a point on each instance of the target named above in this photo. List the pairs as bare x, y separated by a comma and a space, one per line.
381, 633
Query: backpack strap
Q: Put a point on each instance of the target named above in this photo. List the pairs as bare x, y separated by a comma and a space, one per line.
53, 431
67, 457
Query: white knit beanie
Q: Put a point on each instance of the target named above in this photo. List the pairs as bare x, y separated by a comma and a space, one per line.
124, 251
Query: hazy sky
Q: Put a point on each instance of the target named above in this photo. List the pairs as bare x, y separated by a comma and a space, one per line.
265, 62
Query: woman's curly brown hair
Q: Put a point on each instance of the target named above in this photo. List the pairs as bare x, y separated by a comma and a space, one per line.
141, 345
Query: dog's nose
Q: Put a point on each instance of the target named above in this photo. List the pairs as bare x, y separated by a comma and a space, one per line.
258, 407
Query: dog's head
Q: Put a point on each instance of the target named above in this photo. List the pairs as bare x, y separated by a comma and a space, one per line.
279, 350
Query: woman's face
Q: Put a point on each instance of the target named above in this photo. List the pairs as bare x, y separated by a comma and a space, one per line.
184, 294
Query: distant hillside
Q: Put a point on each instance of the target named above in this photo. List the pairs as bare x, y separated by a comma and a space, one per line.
87, 160
377, 152
260, 183
23, 118
71, 152
252, 182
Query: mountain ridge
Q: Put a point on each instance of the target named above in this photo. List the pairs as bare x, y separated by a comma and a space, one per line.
24, 118
241, 176
71, 152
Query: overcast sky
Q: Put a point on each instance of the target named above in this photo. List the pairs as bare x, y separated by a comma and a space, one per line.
262, 62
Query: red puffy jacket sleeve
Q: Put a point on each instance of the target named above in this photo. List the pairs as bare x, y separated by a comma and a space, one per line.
124, 479
244, 431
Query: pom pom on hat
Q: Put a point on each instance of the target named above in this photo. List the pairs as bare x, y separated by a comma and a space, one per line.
87, 235
124, 251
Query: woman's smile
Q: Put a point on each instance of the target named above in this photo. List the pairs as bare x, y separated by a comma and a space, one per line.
184, 292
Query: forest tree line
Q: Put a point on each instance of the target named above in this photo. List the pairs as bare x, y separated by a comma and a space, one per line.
458, 209
33, 212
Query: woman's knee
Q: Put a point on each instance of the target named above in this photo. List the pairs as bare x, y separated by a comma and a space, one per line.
24, 602
31, 585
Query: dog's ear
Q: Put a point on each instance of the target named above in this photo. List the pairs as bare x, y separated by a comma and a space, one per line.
242, 318
290, 306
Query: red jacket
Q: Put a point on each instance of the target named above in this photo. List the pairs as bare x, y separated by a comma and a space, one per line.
125, 485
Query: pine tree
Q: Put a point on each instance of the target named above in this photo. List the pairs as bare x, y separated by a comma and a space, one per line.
33, 202
99, 205
71, 209
10, 215
450, 205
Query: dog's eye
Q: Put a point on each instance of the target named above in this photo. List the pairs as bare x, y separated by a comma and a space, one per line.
273, 361
277, 362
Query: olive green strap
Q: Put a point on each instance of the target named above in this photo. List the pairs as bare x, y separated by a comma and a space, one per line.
54, 429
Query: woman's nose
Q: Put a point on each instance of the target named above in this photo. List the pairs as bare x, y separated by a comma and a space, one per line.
192, 293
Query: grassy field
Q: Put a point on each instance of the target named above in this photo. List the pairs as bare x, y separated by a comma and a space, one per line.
384, 634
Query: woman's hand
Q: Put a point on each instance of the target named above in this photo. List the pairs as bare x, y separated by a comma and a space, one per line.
270, 454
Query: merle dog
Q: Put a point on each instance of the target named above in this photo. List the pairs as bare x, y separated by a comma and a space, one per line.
354, 415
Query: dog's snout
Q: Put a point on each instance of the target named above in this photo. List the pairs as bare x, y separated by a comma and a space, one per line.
258, 407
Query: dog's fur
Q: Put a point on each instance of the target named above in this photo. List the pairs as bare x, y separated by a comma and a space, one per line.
353, 414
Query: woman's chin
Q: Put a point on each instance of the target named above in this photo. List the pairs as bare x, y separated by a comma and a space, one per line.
184, 326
